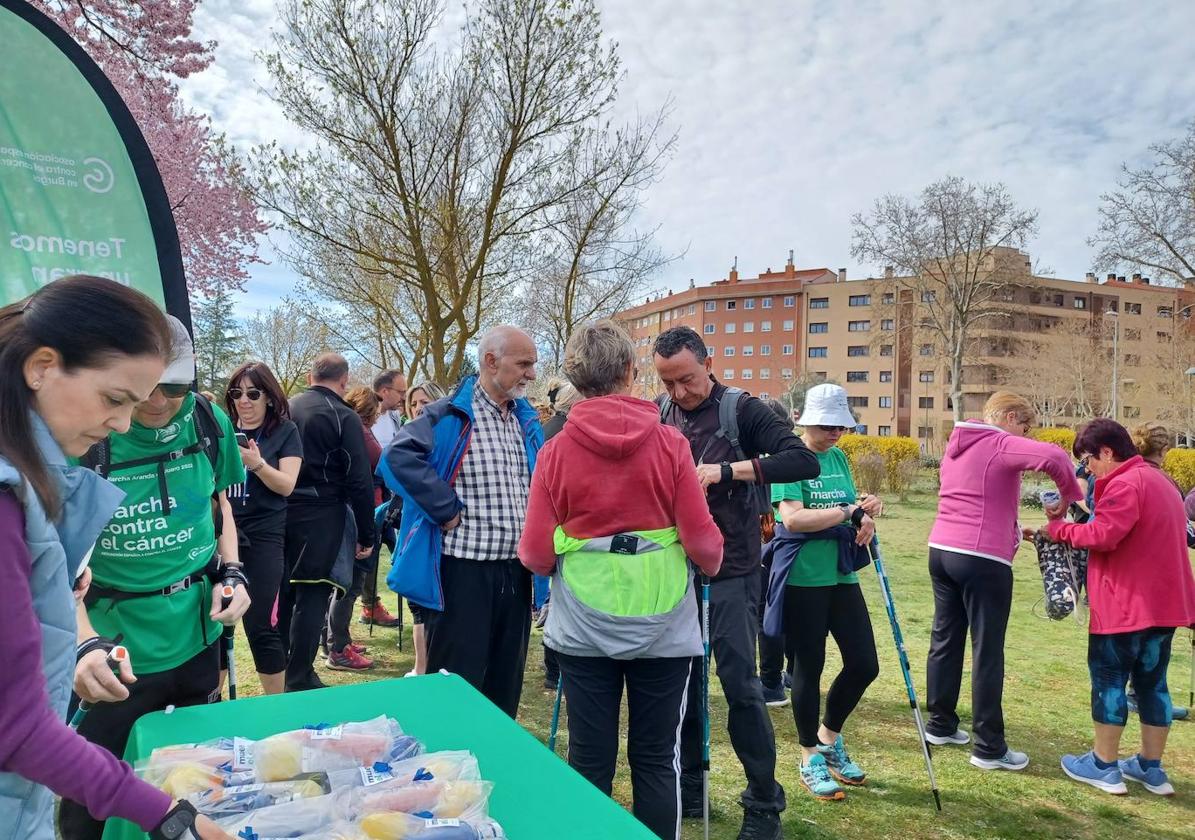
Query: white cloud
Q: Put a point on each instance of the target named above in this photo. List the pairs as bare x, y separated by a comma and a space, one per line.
794, 115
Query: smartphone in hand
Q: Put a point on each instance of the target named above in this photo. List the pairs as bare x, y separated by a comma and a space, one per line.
242, 440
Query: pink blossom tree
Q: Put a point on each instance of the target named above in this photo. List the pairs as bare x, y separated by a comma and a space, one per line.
142, 46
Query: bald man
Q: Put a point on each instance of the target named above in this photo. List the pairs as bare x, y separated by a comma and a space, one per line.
335, 473
466, 464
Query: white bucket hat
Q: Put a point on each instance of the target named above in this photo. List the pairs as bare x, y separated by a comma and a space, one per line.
826, 405
181, 370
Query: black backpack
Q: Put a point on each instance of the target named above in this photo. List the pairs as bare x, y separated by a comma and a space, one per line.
728, 428
207, 433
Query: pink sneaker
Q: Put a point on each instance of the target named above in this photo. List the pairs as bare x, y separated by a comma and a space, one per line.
348, 660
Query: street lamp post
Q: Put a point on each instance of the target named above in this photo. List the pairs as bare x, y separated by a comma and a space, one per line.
1189, 373
1111, 313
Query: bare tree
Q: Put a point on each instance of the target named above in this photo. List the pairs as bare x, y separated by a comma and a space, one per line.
287, 338
1064, 371
955, 249
1148, 224
439, 172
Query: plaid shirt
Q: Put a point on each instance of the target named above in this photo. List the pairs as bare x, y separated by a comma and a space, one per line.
493, 484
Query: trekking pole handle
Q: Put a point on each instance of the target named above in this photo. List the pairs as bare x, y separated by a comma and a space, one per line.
115, 656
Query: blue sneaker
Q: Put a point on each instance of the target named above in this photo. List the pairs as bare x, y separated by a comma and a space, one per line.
1154, 779
1082, 768
840, 764
816, 777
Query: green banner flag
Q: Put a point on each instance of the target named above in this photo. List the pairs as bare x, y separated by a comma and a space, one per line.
79, 189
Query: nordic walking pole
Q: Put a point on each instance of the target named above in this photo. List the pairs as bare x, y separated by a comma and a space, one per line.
556, 713
117, 655
1191, 696
226, 593
705, 705
902, 654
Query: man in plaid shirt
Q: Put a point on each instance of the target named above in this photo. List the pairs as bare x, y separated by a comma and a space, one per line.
466, 463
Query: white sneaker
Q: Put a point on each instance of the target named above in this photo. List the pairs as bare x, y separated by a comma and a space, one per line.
959, 737
1011, 760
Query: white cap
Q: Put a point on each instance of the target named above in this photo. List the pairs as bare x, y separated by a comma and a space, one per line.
181, 370
826, 405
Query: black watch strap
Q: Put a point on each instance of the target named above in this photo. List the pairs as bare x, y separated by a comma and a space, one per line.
179, 822
727, 472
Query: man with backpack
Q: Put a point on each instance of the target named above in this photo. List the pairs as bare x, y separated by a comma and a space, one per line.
159, 566
728, 430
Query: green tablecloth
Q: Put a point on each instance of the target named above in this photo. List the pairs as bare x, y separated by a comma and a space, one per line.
536, 794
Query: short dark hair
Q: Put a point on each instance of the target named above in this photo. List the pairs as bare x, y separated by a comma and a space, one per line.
1102, 432
259, 373
779, 409
385, 379
670, 342
329, 367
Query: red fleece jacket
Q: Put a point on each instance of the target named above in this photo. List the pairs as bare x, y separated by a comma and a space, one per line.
614, 469
1139, 573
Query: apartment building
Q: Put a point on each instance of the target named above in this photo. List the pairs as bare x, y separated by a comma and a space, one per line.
765, 333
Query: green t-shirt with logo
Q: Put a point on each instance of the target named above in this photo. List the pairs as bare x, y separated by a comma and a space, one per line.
817, 562
143, 548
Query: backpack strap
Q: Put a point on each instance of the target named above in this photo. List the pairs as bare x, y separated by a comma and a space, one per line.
98, 458
728, 420
665, 407
207, 429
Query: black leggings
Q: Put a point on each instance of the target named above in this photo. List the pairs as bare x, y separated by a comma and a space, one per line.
810, 613
263, 567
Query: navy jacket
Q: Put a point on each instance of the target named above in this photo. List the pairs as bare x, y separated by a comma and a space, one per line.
783, 550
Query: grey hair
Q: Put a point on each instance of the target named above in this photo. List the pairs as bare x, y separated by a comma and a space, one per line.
494, 341
596, 358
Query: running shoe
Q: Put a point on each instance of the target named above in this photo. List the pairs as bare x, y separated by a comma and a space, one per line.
348, 660
1011, 760
959, 737
1154, 779
774, 695
1082, 768
840, 764
815, 776
379, 616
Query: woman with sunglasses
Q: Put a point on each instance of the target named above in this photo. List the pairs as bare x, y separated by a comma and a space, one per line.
819, 522
971, 547
272, 453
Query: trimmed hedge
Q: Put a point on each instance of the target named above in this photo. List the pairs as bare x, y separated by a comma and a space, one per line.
894, 450
1179, 464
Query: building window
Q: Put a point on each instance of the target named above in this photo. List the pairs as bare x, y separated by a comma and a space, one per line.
925, 432
888, 324
856, 376
709, 350
929, 296
730, 328
727, 351
787, 326
925, 350
1132, 309
858, 326
1164, 312
884, 431
765, 326
766, 303
748, 326
859, 300
886, 350
925, 402
765, 349
1059, 300
857, 402
749, 303
692, 310
748, 349
885, 376
814, 303
858, 350
763, 394
728, 373
1134, 335
731, 305
1080, 303
786, 373
711, 305
788, 300
885, 402
746, 373
765, 373
1131, 412
819, 327
861, 429
786, 350
710, 329
889, 297
814, 352
925, 376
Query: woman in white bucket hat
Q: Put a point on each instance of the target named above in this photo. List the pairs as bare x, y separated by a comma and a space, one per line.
822, 532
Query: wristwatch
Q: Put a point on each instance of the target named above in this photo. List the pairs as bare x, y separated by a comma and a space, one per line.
727, 472
179, 822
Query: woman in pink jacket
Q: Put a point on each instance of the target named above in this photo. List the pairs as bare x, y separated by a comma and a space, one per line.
1140, 588
970, 562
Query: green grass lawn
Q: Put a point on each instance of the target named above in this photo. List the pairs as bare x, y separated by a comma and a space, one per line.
1046, 706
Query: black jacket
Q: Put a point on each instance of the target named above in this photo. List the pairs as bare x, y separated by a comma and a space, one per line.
335, 464
734, 505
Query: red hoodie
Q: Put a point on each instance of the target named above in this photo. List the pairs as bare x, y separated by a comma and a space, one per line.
614, 469
1139, 574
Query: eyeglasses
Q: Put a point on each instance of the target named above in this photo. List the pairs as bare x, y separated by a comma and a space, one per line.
1083, 461
252, 393
172, 390
833, 428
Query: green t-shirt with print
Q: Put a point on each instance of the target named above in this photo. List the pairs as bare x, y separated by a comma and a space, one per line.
817, 563
145, 548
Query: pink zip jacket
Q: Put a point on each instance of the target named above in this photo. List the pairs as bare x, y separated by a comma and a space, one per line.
981, 489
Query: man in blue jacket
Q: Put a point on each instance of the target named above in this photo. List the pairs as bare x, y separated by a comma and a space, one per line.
464, 471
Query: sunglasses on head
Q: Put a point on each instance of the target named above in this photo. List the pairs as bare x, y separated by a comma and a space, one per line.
173, 390
254, 394
832, 428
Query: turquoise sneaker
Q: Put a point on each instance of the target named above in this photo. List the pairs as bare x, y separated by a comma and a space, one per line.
816, 777
1154, 778
1082, 768
840, 764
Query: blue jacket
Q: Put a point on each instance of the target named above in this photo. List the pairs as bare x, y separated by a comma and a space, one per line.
783, 550
421, 464
57, 549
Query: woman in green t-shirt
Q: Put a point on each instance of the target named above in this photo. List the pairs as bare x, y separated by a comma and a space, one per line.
821, 600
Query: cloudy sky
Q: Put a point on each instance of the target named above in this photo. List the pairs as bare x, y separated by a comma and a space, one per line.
793, 115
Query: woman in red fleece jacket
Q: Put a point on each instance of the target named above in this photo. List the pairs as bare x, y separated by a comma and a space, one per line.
1140, 588
615, 508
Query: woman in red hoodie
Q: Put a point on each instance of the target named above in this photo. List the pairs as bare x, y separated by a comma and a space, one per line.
1140, 588
616, 513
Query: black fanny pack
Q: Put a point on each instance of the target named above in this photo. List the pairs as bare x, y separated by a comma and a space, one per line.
97, 592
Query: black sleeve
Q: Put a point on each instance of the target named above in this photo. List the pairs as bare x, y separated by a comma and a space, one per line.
291, 445
359, 479
761, 432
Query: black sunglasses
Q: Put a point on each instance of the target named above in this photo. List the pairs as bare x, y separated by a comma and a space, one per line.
833, 428
253, 394
173, 390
